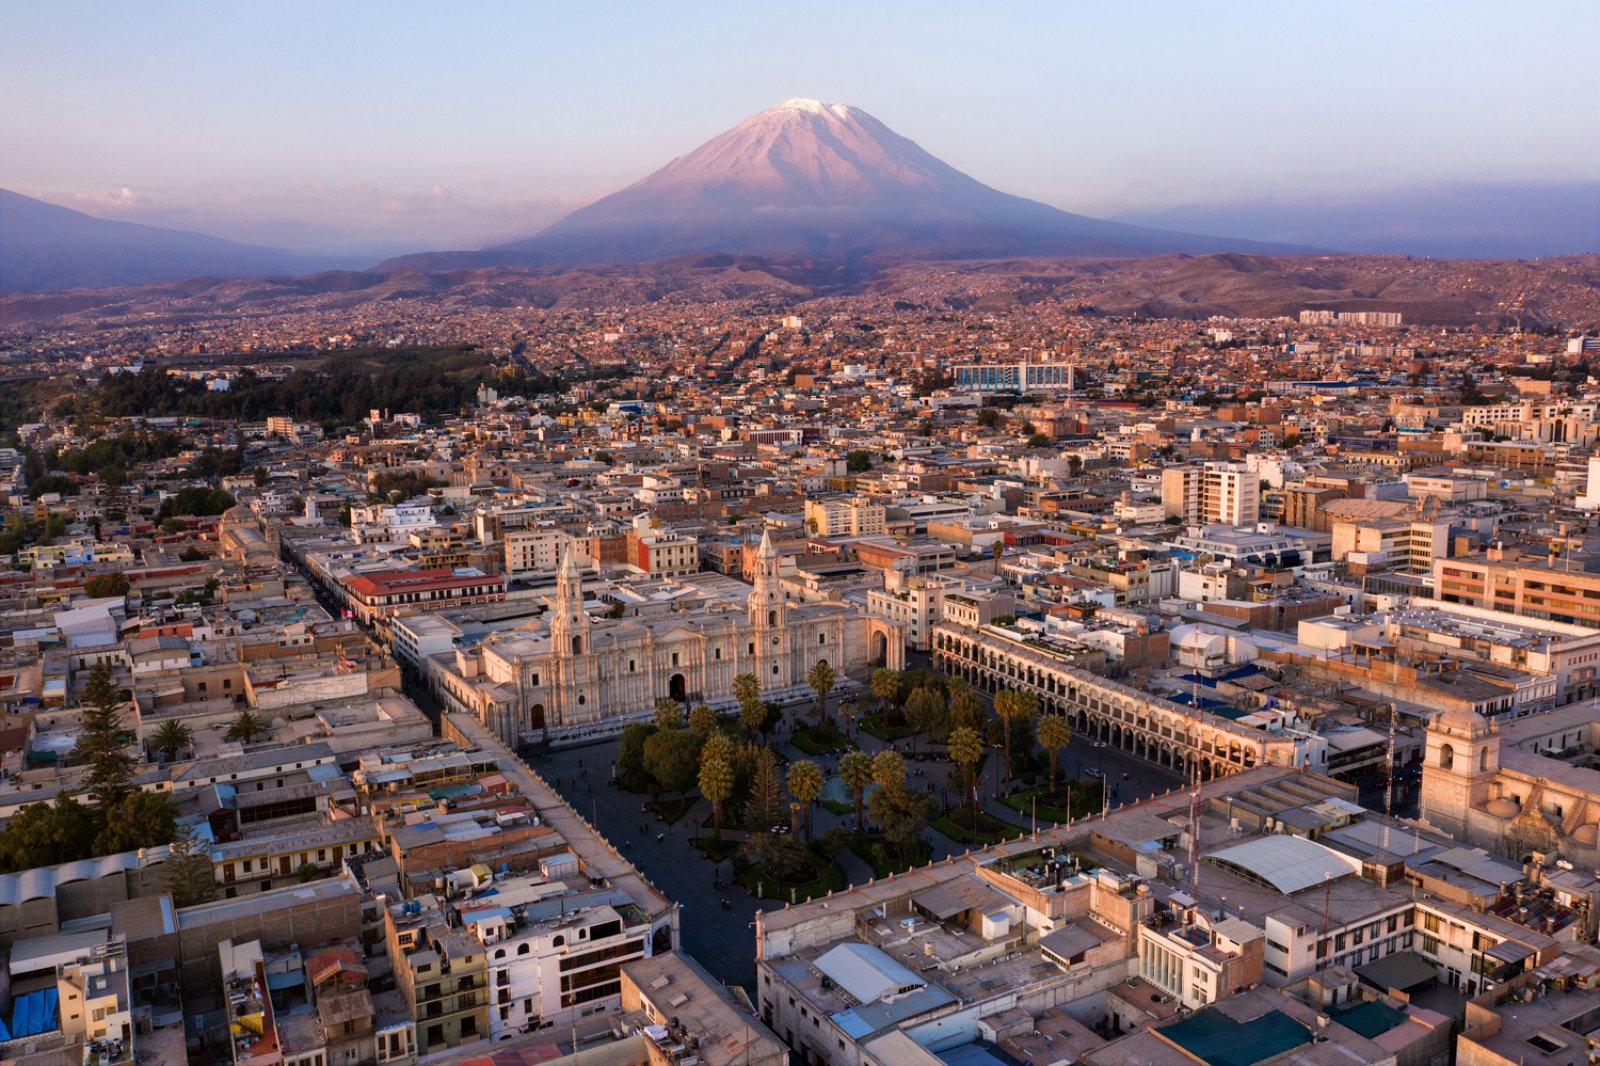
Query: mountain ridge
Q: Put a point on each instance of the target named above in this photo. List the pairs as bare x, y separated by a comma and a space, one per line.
44, 246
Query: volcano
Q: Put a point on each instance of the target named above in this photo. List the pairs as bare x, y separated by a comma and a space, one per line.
829, 180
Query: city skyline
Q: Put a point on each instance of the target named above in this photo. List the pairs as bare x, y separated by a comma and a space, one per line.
384, 130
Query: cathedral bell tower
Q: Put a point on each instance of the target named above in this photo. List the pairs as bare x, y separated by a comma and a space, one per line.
767, 618
571, 651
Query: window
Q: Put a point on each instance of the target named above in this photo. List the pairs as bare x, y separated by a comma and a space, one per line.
1430, 944
1430, 922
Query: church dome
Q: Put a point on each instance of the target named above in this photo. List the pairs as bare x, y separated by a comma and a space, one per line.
1504, 808
1588, 834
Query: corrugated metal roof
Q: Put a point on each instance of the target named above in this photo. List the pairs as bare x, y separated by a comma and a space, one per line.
1289, 864
866, 973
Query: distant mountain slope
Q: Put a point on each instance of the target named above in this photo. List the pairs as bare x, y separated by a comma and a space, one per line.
1460, 220
43, 246
1564, 291
815, 179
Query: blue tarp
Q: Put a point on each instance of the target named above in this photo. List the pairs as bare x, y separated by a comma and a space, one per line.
34, 1013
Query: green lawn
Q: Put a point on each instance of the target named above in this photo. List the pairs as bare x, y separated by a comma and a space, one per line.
671, 810
873, 725
990, 830
829, 879
715, 850
836, 807
819, 739
1057, 806
876, 854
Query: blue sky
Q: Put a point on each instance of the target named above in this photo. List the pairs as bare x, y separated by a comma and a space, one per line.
411, 124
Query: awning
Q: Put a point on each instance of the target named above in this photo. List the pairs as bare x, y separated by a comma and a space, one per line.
1509, 951
1402, 970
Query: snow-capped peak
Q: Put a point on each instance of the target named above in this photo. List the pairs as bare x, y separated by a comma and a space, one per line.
814, 107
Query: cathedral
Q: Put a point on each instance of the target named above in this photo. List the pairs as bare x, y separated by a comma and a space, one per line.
567, 670
1524, 786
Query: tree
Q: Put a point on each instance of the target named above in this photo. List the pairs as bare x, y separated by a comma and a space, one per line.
188, 874
885, 685
716, 785
247, 728
1014, 705
901, 813
669, 713
925, 711
99, 690
847, 713
988, 418
702, 719
747, 690
805, 785
966, 749
1053, 734
171, 738
855, 770
753, 716
142, 820
857, 461
765, 806
888, 769
966, 710
718, 746
44, 834
630, 752
307, 872
100, 743
102, 586
821, 678
671, 758
1039, 440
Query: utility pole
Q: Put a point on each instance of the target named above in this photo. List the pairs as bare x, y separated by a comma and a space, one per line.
1388, 795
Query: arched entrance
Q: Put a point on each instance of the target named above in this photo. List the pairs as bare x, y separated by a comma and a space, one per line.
678, 688
880, 649
536, 716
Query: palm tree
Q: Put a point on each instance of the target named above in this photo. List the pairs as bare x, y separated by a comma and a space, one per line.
702, 719
966, 749
1011, 704
752, 712
173, 737
754, 717
847, 712
855, 770
888, 769
669, 713
716, 785
1053, 734
746, 689
821, 678
885, 685
805, 785
246, 728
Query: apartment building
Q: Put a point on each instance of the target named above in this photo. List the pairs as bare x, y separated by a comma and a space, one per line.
378, 596
538, 550
845, 517
441, 971
1512, 583
1221, 493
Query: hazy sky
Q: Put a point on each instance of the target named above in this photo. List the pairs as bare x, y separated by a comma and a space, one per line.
407, 125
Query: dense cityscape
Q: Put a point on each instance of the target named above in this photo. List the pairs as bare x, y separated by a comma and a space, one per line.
728, 681
528, 539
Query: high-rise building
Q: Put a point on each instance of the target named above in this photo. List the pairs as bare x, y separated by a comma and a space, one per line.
1215, 493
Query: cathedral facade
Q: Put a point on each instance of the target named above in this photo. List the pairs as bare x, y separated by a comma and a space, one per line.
568, 670
1525, 786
